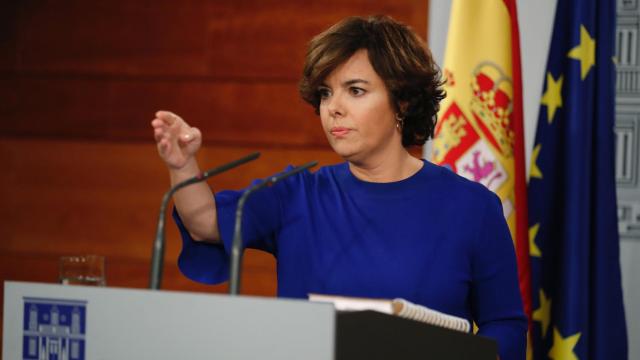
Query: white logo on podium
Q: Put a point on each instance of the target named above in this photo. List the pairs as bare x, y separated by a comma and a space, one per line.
54, 329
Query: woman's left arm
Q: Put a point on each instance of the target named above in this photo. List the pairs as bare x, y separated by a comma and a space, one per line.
495, 294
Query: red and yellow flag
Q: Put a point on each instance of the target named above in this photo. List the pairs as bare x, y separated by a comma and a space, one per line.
480, 132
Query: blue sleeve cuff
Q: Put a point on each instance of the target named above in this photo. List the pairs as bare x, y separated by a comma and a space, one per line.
209, 263
200, 261
206, 262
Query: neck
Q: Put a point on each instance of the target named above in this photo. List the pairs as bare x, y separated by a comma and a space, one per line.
388, 168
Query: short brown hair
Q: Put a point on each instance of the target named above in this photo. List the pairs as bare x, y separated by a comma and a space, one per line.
397, 55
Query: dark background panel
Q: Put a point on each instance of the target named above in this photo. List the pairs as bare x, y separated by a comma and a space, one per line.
223, 39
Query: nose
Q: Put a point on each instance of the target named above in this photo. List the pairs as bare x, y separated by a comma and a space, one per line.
335, 107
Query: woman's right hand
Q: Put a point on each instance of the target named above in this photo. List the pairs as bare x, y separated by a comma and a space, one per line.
177, 145
177, 142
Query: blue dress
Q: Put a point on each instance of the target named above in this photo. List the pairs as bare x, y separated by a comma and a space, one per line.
435, 239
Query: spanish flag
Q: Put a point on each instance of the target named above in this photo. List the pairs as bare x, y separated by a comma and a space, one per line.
480, 132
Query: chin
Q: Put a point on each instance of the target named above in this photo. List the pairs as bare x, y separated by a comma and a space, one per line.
343, 151
350, 156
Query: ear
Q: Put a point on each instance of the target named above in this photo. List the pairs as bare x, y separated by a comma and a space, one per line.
402, 107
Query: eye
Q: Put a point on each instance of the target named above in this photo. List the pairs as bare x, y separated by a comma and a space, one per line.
323, 92
356, 91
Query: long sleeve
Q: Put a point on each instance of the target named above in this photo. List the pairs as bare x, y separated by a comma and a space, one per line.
209, 263
496, 302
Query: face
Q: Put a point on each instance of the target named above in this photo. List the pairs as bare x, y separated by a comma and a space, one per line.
356, 112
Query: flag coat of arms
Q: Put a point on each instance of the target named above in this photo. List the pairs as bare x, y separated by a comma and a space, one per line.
479, 134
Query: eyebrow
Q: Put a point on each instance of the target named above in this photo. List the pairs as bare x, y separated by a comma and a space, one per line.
354, 81
348, 83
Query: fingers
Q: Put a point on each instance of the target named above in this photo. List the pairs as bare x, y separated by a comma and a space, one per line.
176, 141
167, 117
160, 130
164, 146
197, 135
192, 134
168, 125
169, 128
156, 123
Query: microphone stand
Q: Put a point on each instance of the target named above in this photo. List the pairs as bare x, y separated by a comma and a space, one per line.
236, 247
157, 258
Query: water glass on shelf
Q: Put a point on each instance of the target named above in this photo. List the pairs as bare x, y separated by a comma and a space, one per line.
88, 270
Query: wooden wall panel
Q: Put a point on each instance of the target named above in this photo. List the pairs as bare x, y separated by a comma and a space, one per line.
253, 39
258, 277
8, 35
119, 38
229, 112
80, 82
62, 196
99, 70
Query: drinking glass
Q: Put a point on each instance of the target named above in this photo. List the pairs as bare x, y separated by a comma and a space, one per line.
82, 270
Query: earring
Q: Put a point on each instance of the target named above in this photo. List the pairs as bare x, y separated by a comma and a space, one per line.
399, 121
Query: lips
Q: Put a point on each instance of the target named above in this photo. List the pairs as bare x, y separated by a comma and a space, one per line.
339, 131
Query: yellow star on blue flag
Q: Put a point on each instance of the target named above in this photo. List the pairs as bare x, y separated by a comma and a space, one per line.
585, 52
574, 248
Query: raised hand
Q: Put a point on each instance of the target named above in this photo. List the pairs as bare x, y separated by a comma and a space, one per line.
177, 142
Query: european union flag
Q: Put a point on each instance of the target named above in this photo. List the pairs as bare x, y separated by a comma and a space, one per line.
573, 236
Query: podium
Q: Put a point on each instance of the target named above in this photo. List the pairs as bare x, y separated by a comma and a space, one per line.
48, 321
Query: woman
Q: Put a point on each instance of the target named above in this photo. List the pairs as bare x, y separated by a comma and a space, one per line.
382, 224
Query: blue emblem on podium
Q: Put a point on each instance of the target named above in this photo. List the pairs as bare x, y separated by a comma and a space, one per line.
54, 329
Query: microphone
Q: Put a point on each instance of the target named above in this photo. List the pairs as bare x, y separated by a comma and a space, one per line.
236, 246
157, 258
